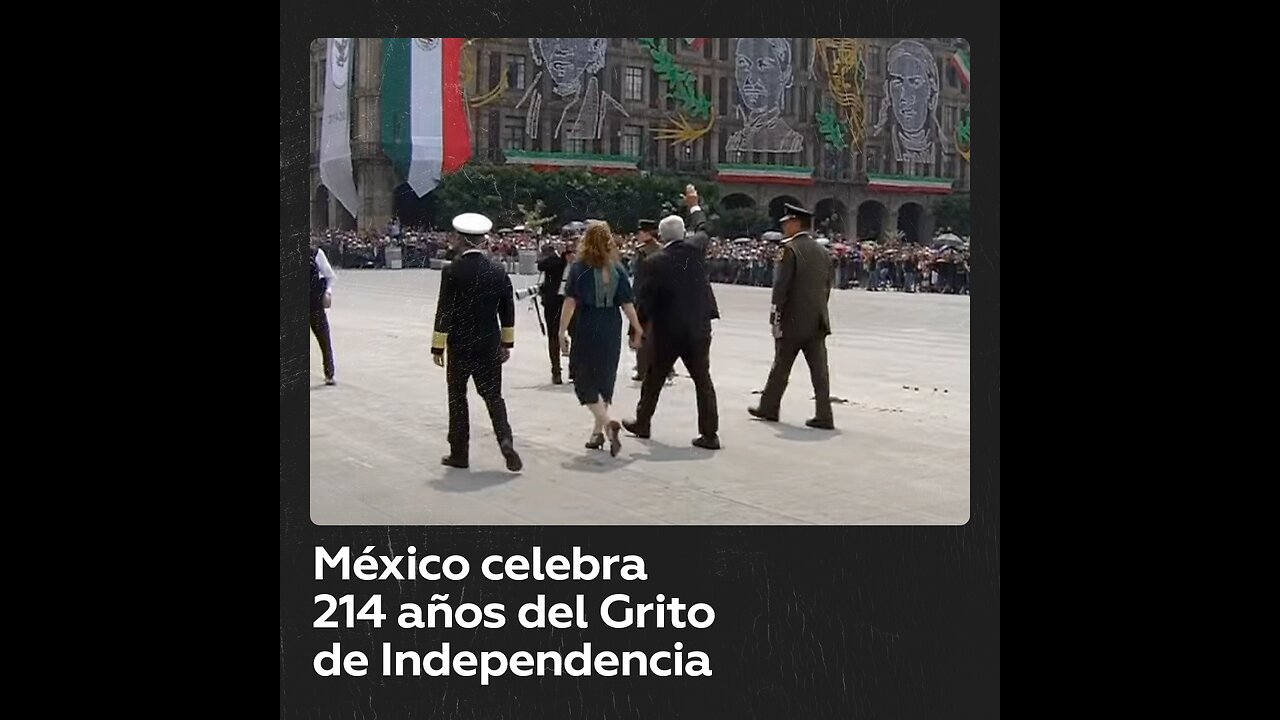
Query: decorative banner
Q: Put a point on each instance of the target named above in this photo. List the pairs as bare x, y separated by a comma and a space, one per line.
961, 62
695, 43
776, 174
910, 107
909, 184
763, 69
425, 128
846, 75
569, 62
682, 87
542, 161
335, 127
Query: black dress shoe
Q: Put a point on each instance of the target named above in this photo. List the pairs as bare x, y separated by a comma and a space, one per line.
635, 428
456, 462
514, 464
637, 377
820, 424
596, 442
757, 412
556, 379
707, 442
330, 381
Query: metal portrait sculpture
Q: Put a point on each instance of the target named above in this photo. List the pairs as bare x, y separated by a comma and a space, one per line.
572, 65
763, 70
910, 107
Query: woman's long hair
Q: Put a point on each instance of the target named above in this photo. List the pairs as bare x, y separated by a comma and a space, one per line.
597, 249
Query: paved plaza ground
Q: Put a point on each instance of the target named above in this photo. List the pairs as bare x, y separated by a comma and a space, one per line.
899, 456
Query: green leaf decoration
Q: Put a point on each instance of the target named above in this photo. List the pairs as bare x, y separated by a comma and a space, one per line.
831, 130
682, 84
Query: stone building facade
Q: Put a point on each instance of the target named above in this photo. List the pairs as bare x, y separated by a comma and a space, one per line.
864, 190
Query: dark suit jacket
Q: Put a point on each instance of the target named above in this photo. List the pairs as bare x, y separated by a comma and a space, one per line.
476, 310
695, 226
676, 293
802, 289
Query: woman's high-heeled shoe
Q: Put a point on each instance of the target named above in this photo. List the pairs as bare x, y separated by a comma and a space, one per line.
596, 442
615, 444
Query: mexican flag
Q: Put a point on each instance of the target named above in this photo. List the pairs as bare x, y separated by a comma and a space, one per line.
425, 128
961, 61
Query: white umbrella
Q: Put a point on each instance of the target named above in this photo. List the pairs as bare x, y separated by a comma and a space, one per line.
772, 235
948, 237
742, 240
824, 241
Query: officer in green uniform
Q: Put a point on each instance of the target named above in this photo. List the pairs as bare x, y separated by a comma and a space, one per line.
799, 318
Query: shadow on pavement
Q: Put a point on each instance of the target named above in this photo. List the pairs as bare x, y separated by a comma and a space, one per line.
462, 481
598, 461
567, 387
805, 434
667, 453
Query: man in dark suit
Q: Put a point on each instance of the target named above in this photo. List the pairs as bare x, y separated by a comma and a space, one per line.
679, 306
475, 298
799, 318
648, 246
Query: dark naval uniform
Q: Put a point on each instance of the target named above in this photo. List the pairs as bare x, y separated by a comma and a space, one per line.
475, 321
800, 323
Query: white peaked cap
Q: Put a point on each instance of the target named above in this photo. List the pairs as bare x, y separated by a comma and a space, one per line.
472, 224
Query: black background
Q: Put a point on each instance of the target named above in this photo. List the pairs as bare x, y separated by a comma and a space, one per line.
812, 622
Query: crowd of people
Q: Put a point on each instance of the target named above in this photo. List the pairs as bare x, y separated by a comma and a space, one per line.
866, 264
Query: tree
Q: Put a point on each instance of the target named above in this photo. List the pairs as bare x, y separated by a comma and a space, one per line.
952, 211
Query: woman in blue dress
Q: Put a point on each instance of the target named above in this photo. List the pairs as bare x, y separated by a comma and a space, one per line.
596, 288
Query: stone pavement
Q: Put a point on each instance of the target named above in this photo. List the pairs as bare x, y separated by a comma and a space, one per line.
899, 456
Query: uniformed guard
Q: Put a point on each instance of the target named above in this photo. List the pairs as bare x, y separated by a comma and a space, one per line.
475, 321
648, 246
552, 265
799, 318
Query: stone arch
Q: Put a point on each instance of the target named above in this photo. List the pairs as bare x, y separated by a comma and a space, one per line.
775, 205
734, 201
833, 210
911, 222
872, 216
412, 210
320, 208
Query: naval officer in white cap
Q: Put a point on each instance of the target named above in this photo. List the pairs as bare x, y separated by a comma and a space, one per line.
475, 323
